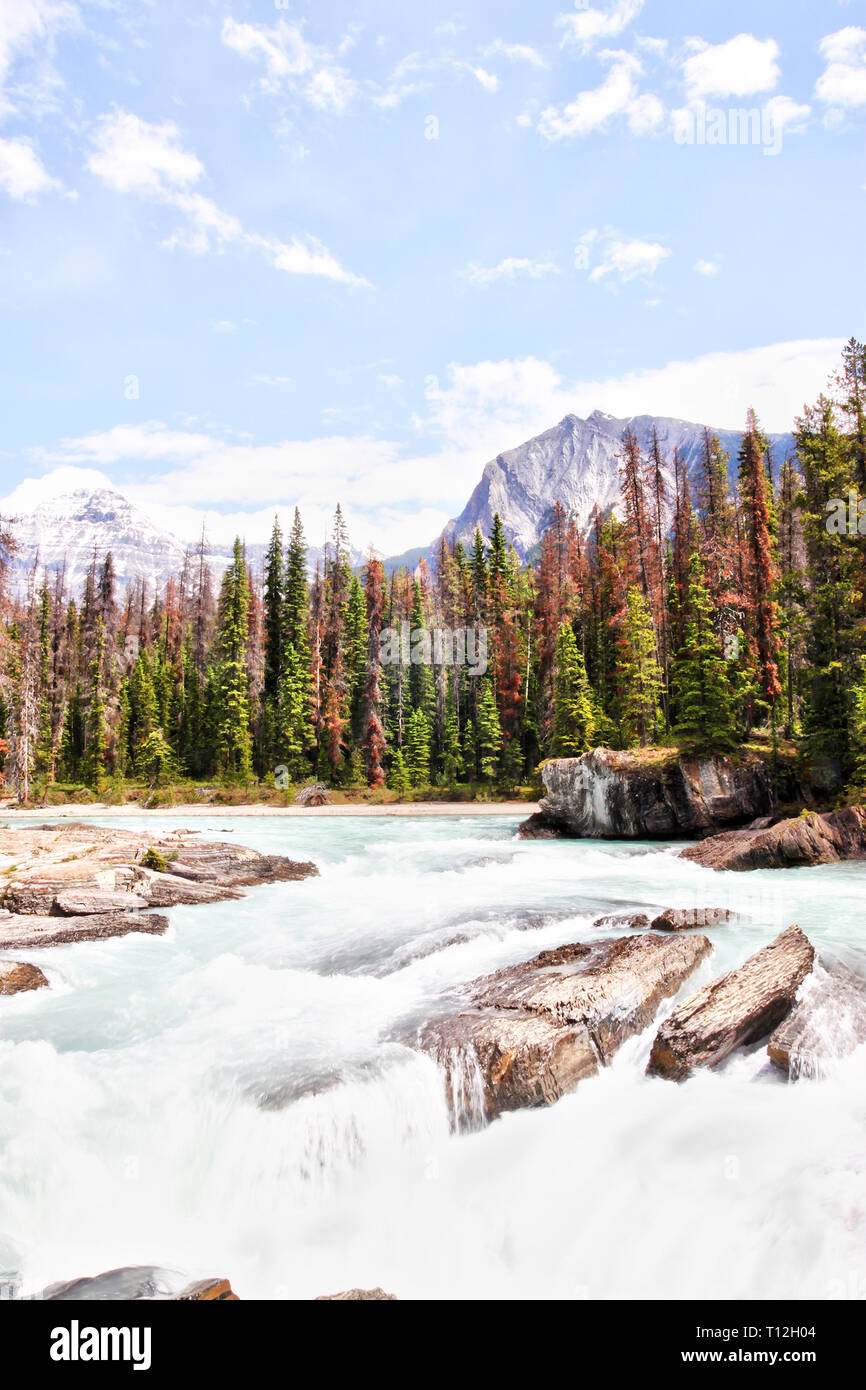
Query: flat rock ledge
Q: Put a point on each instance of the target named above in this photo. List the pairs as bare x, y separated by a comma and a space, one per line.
80, 882
740, 1007
800, 841
17, 977
530, 1033
826, 1024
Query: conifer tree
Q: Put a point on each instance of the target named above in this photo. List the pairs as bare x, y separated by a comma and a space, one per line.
234, 740
489, 732
574, 717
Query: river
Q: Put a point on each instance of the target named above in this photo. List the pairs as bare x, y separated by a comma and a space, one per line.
235, 1098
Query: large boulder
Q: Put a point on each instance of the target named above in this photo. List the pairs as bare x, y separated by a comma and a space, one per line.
827, 1022
16, 977
740, 1007
803, 840
530, 1033
650, 794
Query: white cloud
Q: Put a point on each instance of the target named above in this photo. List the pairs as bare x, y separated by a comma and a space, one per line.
515, 53
283, 49
489, 81
28, 28
618, 96
741, 66
628, 259
390, 380
331, 89
589, 25
512, 268
843, 81
708, 268
134, 156
786, 114
22, 173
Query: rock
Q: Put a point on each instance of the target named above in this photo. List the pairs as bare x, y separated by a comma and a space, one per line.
26, 931
686, 918
356, 1296
740, 1007
635, 920
827, 1022
78, 871
16, 977
538, 827
811, 839
139, 1283
208, 1291
648, 795
533, 1031
86, 904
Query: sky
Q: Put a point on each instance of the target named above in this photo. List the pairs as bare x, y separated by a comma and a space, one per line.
258, 254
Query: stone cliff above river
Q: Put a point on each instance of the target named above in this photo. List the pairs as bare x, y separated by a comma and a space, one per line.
656, 794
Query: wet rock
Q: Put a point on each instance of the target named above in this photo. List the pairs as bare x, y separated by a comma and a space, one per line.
356, 1296
533, 1031
811, 839
740, 1007
78, 871
207, 1291
16, 977
647, 795
28, 930
615, 920
687, 918
827, 1022
86, 904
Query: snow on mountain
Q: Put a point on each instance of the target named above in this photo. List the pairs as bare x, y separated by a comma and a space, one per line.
577, 464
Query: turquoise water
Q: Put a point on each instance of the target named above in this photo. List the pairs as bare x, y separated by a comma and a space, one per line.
237, 1097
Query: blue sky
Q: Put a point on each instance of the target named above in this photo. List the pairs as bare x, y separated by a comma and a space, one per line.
255, 254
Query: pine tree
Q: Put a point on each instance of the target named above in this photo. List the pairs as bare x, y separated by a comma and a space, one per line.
489, 732
702, 676
234, 741
96, 737
641, 673
418, 748
574, 717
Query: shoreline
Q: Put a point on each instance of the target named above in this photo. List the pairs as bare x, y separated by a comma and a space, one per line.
98, 810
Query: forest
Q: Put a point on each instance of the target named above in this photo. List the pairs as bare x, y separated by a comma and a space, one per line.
718, 605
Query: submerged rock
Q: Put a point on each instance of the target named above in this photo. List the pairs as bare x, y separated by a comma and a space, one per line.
16, 977
740, 1007
827, 1022
648, 795
811, 839
533, 1031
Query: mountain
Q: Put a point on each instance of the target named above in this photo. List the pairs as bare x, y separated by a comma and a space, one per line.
70, 528
575, 463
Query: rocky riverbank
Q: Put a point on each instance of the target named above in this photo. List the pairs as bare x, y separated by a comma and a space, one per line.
647, 795
797, 842
80, 882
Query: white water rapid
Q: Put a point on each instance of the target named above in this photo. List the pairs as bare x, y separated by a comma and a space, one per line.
232, 1098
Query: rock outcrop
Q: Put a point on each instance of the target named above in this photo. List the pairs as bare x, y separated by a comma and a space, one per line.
688, 918
74, 881
803, 840
139, 1283
530, 1033
652, 795
740, 1007
16, 977
827, 1022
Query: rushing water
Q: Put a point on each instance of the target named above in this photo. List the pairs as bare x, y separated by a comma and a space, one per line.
235, 1097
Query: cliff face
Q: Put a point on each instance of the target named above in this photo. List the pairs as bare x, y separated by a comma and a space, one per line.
609, 795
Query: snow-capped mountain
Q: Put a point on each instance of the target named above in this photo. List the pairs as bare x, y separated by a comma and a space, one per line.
73, 527
577, 464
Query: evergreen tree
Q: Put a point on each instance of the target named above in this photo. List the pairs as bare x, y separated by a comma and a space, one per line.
234, 739
574, 717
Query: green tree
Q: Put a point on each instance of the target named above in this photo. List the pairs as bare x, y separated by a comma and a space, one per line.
574, 715
234, 741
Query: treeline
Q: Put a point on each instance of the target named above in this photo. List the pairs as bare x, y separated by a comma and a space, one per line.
701, 613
